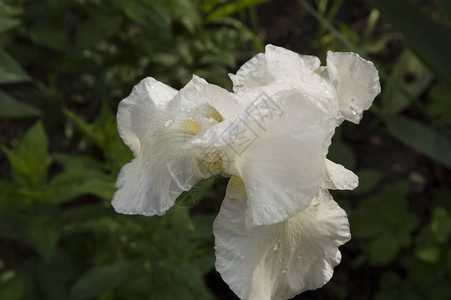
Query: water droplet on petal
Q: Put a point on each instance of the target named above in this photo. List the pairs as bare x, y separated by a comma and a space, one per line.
168, 123
284, 271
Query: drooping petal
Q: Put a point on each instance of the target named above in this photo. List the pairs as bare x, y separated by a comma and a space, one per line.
278, 148
156, 130
356, 81
282, 260
282, 173
339, 178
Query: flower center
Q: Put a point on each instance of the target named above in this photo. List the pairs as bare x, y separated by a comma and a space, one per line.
210, 163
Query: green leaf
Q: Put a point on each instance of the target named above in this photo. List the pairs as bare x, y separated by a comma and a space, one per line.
12, 287
7, 23
10, 70
383, 249
231, 8
408, 81
11, 225
428, 254
341, 153
445, 6
421, 138
13, 109
368, 180
385, 222
186, 12
441, 224
440, 104
428, 38
82, 213
100, 279
50, 36
148, 14
196, 193
103, 133
67, 186
81, 175
12, 196
31, 159
96, 29
177, 279
42, 233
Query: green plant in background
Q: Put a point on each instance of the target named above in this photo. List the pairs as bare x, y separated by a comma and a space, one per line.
60, 238
81, 57
413, 108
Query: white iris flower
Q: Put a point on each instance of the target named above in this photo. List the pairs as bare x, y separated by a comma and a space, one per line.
155, 121
278, 231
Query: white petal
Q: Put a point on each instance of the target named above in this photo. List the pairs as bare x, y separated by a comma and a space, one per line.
282, 62
356, 81
275, 66
282, 173
282, 260
149, 188
143, 100
278, 148
339, 178
161, 170
251, 74
226, 103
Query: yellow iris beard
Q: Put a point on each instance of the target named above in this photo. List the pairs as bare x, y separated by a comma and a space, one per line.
212, 163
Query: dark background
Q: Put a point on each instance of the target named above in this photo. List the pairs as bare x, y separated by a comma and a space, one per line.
64, 67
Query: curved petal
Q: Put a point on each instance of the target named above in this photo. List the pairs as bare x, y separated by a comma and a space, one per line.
161, 170
284, 63
339, 178
149, 188
356, 81
226, 103
275, 66
282, 173
282, 260
145, 98
251, 74
279, 149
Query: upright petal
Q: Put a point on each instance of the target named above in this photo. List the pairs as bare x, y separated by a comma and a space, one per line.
226, 103
146, 98
251, 74
356, 81
281, 260
276, 64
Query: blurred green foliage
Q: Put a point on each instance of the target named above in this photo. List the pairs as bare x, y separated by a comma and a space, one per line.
81, 58
403, 245
64, 65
